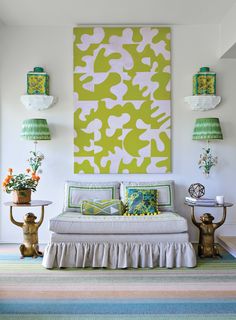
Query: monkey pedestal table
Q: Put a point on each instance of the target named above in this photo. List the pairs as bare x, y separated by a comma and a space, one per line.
206, 246
30, 246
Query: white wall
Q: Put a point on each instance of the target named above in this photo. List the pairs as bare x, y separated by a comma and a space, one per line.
228, 35
192, 47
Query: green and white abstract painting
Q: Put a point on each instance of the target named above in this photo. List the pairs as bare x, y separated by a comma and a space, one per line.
122, 100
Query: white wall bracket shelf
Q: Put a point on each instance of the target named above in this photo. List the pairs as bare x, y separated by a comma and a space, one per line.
37, 101
203, 103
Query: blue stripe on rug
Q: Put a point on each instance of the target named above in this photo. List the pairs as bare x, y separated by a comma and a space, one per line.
106, 307
117, 317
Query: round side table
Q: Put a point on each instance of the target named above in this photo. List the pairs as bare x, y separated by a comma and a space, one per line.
30, 247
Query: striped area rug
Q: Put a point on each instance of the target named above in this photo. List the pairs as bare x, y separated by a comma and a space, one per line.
28, 291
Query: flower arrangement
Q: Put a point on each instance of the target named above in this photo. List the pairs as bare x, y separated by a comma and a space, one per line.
23, 181
207, 161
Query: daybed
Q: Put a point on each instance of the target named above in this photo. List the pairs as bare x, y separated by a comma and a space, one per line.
118, 241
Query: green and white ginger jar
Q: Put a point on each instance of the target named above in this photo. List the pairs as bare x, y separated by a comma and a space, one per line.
204, 82
37, 82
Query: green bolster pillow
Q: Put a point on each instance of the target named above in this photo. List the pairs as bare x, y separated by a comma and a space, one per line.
102, 207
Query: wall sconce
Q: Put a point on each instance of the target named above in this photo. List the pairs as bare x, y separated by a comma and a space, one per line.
207, 129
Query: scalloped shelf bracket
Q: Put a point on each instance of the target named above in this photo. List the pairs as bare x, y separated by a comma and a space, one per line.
203, 103
37, 101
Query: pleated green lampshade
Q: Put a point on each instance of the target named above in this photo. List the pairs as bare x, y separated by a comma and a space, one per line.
35, 129
207, 129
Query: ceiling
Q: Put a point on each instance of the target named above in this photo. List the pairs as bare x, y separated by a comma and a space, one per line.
74, 12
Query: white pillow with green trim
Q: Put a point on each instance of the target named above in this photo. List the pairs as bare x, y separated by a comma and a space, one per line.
75, 192
165, 192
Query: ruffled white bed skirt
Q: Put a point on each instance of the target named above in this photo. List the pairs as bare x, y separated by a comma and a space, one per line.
119, 255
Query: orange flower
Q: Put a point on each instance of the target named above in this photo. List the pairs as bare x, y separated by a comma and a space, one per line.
37, 178
8, 178
28, 170
10, 170
4, 183
33, 176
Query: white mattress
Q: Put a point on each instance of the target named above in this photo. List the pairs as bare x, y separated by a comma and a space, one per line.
76, 223
119, 238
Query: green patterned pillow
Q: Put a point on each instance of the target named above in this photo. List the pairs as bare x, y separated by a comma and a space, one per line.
164, 188
102, 207
142, 202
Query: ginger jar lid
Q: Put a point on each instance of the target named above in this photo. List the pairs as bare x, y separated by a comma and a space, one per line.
38, 69
204, 69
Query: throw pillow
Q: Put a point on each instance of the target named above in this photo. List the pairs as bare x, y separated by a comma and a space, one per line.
141, 202
75, 192
102, 207
165, 191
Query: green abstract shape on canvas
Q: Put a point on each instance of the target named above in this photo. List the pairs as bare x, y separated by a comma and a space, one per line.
100, 91
82, 141
102, 62
109, 143
133, 90
155, 152
164, 164
139, 64
84, 167
132, 143
133, 166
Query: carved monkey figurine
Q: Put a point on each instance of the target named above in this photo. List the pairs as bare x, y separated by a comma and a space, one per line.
30, 247
206, 246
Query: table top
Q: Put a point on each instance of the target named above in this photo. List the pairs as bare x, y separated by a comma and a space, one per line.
225, 204
33, 203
